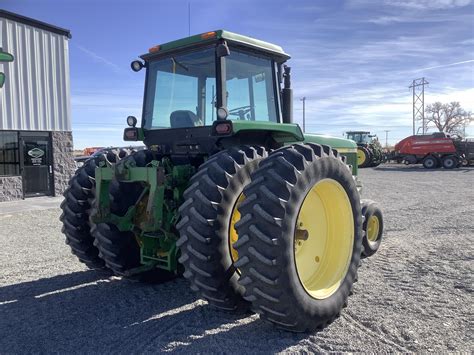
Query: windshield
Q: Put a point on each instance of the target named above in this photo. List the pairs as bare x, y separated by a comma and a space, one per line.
181, 90
250, 88
359, 137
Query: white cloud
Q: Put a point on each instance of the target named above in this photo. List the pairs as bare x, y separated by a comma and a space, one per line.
100, 59
385, 20
414, 4
428, 4
445, 65
465, 98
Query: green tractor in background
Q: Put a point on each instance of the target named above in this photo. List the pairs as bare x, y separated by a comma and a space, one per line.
229, 192
369, 149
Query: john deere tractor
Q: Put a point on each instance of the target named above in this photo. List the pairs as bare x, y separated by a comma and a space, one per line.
229, 193
369, 150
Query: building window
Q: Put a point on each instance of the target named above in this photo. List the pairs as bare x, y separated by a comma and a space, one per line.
9, 154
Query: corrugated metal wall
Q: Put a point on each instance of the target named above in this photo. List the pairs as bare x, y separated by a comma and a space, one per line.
36, 91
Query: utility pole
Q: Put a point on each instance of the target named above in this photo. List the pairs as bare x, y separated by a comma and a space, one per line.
419, 102
386, 138
304, 113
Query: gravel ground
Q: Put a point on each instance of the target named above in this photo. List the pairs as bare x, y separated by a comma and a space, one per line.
415, 294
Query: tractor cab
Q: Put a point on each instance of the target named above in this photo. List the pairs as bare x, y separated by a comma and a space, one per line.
360, 137
215, 90
216, 77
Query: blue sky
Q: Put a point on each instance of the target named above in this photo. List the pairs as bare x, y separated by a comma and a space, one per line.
353, 59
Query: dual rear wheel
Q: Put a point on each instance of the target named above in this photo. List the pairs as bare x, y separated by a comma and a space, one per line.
281, 236
77, 205
207, 226
364, 157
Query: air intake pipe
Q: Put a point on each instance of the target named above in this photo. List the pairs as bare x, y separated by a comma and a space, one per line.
287, 96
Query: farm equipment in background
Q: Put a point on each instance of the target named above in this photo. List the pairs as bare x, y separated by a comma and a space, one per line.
229, 192
434, 150
91, 150
369, 149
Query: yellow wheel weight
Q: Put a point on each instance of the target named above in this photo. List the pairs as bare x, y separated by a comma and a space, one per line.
324, 239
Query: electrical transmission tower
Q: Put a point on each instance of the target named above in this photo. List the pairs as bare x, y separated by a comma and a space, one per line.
419, 101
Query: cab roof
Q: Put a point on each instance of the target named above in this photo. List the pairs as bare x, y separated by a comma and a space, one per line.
213, 37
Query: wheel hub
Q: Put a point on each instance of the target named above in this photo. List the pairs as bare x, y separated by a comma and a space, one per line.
324, 238
360, 157
373, 228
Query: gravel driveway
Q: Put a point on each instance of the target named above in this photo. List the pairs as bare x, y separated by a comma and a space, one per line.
415, 294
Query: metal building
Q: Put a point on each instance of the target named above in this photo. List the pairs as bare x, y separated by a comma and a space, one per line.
35, 112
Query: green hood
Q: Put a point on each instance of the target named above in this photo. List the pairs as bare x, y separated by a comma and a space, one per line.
341, 144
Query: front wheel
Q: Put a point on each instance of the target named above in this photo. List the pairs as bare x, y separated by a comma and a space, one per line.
300, 237
372, 227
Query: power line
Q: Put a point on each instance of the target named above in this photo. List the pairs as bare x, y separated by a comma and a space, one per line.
419, 102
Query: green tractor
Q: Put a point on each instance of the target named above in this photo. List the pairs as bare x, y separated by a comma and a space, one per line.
369, 149
229, 193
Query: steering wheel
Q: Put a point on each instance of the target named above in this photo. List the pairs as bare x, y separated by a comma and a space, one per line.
240, 111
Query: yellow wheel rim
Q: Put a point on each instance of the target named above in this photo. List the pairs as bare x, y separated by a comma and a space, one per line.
324, 239
373, 228
233, 236
360, 157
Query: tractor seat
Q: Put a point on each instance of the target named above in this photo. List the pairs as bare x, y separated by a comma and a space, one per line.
183, 119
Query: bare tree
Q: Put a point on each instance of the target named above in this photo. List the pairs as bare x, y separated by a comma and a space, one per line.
449, 118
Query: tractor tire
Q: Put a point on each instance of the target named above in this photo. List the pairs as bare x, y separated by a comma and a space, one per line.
120, 250
76, 207
372, 227
430, 162
300, 237
364, 157
206, 228
450, 162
